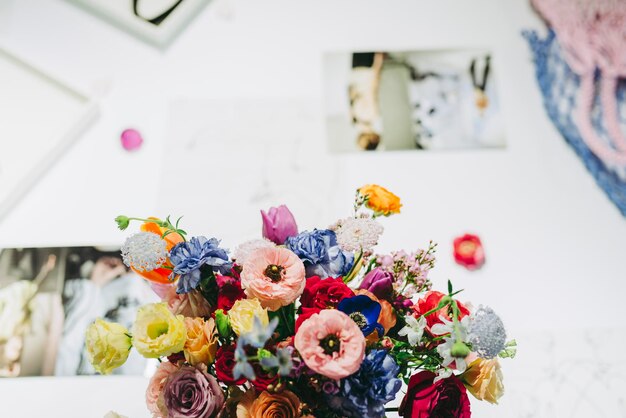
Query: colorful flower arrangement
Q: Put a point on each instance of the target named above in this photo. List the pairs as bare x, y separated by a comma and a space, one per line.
302, 324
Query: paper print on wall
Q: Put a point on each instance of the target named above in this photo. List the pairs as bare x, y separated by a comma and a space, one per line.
580, 69
412, 100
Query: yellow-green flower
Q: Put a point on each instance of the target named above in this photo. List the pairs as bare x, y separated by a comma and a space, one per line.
242, 315
157, 332
108, 345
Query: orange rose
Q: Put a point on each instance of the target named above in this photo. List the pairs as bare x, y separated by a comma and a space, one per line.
201, 344
380, 200
483, 379
387, 317
160, 275
269, 405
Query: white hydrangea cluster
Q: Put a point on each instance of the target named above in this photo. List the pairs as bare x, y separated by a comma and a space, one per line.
487, 333
144, 251
354, 234
242, 251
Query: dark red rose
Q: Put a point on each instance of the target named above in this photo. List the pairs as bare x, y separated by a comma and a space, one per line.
263, 380
224, 364
228, 294
445, 399
306, 313
469, 252
430, 301
176, 358
324, 293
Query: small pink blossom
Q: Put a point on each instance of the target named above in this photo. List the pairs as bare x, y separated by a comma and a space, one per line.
155, 387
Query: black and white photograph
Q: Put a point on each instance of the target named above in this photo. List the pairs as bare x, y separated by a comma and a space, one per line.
412, 100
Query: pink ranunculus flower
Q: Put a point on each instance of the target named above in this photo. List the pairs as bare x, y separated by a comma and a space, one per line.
331, 344
279, 224
191, 304
155, 387
274, 276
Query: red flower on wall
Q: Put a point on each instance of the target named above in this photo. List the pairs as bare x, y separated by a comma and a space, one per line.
469, 251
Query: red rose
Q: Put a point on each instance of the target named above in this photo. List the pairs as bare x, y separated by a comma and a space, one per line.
263, 380
306, 313
228, 293
469, 252
425, 399
324, 293
430, 301
224, 364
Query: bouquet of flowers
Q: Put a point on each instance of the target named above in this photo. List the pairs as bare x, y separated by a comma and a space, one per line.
301, 324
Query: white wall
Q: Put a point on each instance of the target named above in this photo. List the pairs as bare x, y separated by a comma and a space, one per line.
554, 242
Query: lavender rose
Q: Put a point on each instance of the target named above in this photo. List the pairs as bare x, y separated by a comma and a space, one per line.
192, 393
379, 282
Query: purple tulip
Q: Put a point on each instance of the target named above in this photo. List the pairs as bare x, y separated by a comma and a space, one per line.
279, 224
379, 282
192, 393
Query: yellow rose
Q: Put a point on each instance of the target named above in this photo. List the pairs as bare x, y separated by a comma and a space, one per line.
380, 200
201, 343
157, 332
108, 345
242, 315
483, 379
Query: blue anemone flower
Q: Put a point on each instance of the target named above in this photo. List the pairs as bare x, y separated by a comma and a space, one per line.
364, 311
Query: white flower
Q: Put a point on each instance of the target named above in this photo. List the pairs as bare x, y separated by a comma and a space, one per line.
442, 374
460, 334
414, 329
355, 234
243, 251
487, 333
144, 251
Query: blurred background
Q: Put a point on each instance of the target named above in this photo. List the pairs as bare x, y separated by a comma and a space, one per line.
216, 109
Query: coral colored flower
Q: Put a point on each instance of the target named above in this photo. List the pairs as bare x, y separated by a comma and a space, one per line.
426, 398
161, 274
157, 332
107, 344
469, 252
331, 344
279, 224
242, 315
155, 387
483, 379
201, 343
275, 276
380, 200
430, 301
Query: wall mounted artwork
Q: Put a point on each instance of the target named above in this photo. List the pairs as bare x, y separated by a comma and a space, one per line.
41, 118
581, 72
155, 21
412, 100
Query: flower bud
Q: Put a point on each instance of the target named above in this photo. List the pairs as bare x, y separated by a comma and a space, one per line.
459, 349
223, 323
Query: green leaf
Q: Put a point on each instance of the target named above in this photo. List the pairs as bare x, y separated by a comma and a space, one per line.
449, 287
286, 320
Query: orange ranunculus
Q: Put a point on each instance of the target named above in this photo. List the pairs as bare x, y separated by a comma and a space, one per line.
483, 379
160, 275
387, 317
380, 200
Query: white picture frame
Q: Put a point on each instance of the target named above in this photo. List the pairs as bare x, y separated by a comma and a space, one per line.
157, 22
41, 117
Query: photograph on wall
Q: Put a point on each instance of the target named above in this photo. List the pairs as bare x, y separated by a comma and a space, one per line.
412, 100
48, 298
155, 21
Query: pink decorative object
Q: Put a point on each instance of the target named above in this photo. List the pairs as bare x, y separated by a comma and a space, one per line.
593, 37
131, 139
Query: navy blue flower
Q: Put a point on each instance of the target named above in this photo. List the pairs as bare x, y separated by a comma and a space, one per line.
364, 311
188, 257
320, 253
365, 393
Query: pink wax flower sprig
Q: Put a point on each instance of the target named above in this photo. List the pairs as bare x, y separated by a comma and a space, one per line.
279, 224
